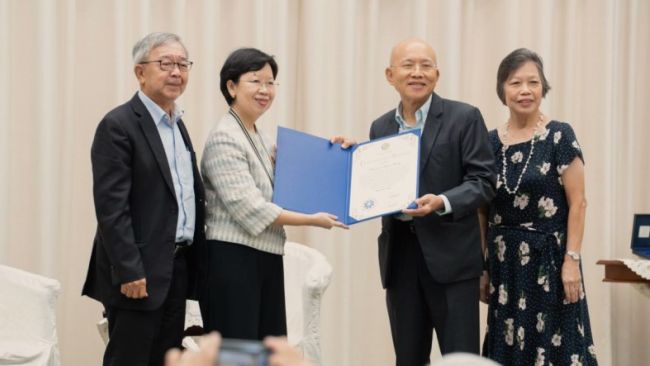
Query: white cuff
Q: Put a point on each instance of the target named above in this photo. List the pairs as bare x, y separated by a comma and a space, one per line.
447, 209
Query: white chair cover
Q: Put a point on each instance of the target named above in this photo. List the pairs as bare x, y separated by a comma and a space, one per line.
28, 318
306, 277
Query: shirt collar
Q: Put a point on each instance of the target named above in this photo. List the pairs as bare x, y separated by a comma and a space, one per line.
157, 113
420, 115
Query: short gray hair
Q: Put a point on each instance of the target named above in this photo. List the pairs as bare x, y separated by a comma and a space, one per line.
152, 40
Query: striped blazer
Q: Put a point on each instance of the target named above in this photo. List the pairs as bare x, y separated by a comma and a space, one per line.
238, 190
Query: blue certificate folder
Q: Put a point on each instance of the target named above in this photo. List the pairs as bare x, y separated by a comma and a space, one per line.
313, 175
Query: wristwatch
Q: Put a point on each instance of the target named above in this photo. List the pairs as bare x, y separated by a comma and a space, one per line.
574, 255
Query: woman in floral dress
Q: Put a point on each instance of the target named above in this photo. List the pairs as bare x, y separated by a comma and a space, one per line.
537, 306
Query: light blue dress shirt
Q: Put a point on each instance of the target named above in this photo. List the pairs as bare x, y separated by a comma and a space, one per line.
420, 119
180, 166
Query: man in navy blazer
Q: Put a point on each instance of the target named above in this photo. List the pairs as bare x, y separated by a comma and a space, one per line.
149, 204
430, 257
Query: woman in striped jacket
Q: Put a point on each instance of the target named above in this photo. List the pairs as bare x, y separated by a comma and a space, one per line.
243, 292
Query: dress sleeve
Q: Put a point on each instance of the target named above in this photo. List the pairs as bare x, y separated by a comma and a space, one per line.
567, 147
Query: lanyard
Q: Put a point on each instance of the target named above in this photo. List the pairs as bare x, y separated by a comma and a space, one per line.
250, 141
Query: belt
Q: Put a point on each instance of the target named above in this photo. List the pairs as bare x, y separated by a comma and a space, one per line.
181, 248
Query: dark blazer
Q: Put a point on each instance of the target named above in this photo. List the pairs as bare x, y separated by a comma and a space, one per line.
456, 161
136, 210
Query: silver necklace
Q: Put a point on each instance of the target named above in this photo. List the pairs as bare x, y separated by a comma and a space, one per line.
504, 169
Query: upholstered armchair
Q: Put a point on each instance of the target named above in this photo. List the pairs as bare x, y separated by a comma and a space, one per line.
306, 277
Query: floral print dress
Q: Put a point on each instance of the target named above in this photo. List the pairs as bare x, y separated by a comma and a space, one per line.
529, 323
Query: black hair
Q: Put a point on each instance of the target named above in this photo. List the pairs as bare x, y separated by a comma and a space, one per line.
240, 62
512, 62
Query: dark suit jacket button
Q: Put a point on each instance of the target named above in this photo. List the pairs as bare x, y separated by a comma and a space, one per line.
173, 211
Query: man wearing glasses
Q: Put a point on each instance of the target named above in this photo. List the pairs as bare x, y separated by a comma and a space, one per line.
149, 203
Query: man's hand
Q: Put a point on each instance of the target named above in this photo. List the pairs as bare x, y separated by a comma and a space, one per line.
426, 205
135, 290
344, 141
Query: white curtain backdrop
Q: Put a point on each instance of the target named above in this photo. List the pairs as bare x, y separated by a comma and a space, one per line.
64, 64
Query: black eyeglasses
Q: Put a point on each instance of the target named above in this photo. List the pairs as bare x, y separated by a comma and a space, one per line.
169, 65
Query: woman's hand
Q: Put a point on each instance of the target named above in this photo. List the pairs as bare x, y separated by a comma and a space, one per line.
484, 289
571, 280
326, 221
344, 141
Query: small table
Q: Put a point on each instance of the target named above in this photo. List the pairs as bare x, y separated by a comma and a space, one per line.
617, 271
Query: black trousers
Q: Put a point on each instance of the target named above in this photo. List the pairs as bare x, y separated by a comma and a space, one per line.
244, 292
418, 305
142, 337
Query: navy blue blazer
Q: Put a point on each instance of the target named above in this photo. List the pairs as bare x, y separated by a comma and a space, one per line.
136, 210
455, 160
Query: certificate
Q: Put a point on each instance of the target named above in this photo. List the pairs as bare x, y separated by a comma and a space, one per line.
384, 176
368, 180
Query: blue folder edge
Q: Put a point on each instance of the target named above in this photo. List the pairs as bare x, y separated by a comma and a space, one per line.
324, 170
